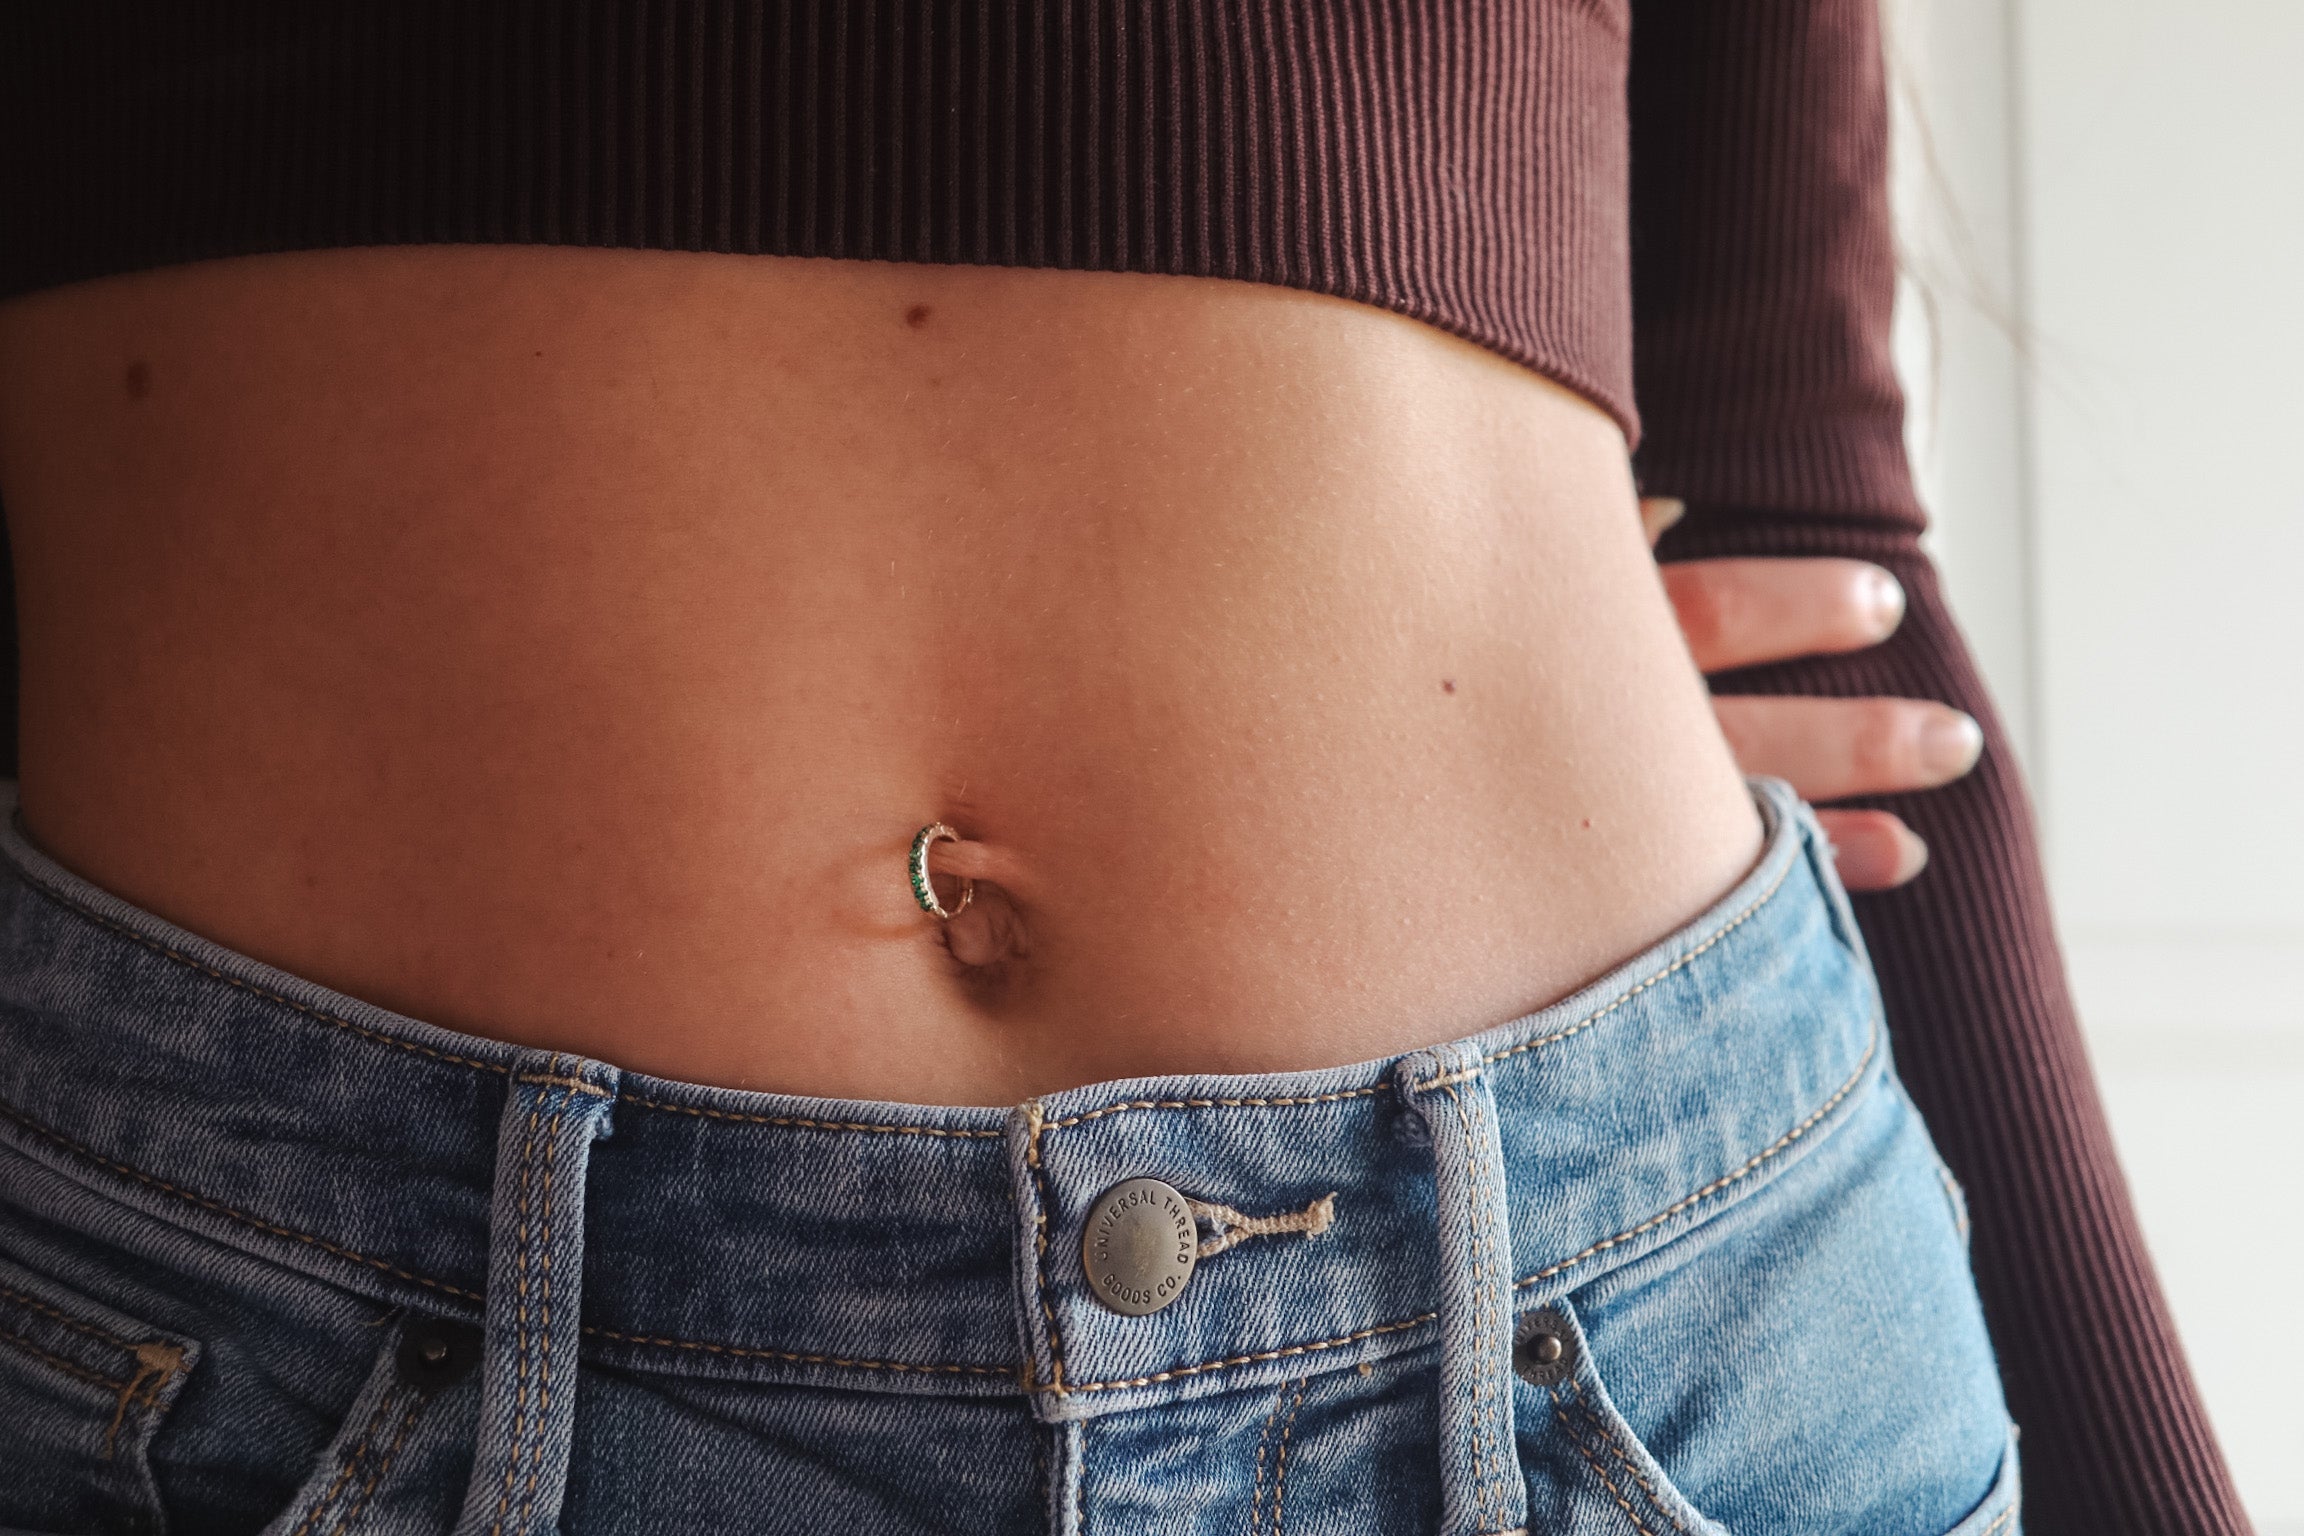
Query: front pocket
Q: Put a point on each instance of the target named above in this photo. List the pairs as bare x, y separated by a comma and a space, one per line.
83, 1389
1812, 1360
1588, 1473
2002, 1508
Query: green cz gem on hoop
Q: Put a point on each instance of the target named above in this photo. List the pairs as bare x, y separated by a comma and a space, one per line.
922, 891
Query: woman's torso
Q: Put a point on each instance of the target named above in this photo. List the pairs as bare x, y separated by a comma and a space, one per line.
563, 646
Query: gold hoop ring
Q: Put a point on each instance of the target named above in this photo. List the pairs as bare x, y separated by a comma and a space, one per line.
923, 891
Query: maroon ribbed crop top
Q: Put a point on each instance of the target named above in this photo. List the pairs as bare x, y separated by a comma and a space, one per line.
1681, 202
1462, 163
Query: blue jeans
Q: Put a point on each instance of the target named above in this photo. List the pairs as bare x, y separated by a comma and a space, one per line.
1670, 1257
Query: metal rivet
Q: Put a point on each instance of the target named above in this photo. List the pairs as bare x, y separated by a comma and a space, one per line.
1543, 1348
1140, 1247
435, 1353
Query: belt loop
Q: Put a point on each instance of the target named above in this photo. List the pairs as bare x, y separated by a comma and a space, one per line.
556, 1107
1482, 1490
1043, 1341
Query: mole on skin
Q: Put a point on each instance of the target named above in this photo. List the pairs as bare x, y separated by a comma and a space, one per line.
138, 379
1447, 685
917, 316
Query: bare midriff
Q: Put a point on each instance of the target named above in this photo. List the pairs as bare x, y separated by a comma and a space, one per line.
564, 646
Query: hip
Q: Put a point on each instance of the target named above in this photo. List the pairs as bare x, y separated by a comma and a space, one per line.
1673, 1253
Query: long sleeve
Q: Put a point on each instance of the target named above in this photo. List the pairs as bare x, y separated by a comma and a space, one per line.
1764, 278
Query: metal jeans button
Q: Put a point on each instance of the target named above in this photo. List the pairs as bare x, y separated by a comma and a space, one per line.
1140, 1247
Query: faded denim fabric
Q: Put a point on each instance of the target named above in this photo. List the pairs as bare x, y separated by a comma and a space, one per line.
1673, 1256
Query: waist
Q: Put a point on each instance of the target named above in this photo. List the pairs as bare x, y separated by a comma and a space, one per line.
759, 1237
575, 668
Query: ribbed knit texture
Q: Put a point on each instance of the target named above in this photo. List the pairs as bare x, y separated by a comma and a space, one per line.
1460, 161
1765, 277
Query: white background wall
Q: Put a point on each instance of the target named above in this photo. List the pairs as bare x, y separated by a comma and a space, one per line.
2103, 210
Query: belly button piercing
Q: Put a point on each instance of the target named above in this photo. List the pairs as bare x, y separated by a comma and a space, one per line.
923, 890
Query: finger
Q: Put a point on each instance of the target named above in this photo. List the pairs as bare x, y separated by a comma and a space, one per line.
1833, 748
1657, 513
1738, 613
1873, 850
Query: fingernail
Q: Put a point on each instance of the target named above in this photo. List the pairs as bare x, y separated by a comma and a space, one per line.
1950, 743
1883, 601
1912, 856
1659, 513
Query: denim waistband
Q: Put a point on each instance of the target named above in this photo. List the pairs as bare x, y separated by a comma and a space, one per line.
903, 1248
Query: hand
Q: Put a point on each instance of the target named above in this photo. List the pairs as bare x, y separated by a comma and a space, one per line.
1738, 613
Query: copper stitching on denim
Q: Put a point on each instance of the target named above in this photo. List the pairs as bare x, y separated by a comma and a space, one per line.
230, 980
554, 1079
1958, 1200
143, 1388
1135, 1105
379, 1037
68, 1367
1590, 1019
1291, 1352
156, 1365
1871, 1048
800, 1123
1495, 1281
518, 1437
792, 1357
1038, 1125
1797, 1132
1616, 1449
1559, 1412
796, 1358
33, 1303
706, 1346
1495, 1285
383, 1466
1727, 928
1632, 1468
9, 1112
544, 1350
1280, 1465
346, 1464
1482, 1258
1278, 1102
1263, 1444
2000, 1521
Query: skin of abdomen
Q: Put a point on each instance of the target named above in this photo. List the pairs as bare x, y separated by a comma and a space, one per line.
563, 646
